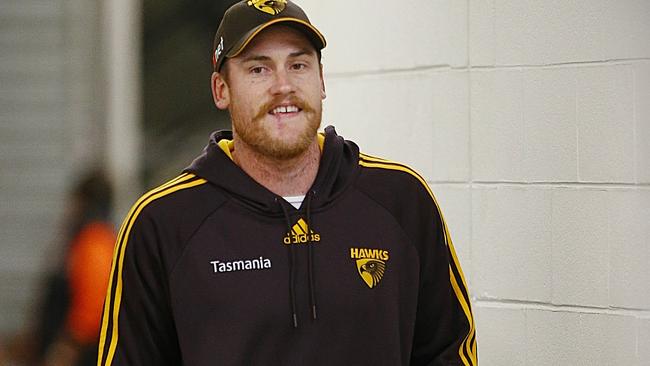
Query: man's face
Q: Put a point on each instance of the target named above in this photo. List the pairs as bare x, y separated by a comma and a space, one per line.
274, 91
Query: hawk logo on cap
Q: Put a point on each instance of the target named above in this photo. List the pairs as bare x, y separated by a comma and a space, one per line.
273, 7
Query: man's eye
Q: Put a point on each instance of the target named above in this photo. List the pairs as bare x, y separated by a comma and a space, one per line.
257, 70
298, 66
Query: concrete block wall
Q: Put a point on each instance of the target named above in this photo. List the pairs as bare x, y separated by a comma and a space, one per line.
531, 122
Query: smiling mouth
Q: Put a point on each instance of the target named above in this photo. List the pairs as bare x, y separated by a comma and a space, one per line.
284, 110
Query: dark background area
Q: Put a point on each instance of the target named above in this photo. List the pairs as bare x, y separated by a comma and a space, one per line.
178, 112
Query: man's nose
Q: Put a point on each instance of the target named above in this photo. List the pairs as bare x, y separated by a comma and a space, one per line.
282, 83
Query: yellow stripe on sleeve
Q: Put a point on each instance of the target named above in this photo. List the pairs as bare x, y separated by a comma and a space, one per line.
118, 259
467, 311
107, 302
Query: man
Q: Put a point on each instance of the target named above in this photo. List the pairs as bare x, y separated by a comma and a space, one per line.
280, 245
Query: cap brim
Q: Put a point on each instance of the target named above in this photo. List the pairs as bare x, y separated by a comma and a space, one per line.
315, 35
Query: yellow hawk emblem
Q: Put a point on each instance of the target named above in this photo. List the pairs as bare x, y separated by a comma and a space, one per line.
273, 7
371, 270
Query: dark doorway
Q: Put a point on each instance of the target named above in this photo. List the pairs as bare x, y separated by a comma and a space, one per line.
178, 112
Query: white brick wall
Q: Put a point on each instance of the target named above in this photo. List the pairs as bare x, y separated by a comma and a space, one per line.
629, 246
531, 121
641, 80
394, 35
501, 334
605, 114
497, 133
380, 102
512, 225
580, 251
643, 340
570, 338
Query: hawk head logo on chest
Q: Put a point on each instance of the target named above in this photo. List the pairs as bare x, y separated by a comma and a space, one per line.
371, 264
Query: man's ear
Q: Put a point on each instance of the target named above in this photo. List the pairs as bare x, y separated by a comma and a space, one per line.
323, 95
220, 91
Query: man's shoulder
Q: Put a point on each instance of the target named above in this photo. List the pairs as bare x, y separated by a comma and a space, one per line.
393, 184
390, 173
185, 195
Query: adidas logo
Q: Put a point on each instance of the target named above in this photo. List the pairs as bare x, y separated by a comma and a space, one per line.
371, 264
301, 234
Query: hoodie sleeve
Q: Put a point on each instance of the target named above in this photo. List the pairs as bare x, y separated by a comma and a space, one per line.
444, 327
444, 330
137, 325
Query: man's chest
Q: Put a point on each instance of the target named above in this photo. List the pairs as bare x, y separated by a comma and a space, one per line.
347, 262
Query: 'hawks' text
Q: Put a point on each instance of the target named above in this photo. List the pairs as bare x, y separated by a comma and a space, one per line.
359, 253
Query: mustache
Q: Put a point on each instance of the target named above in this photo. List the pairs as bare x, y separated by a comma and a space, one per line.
298, 102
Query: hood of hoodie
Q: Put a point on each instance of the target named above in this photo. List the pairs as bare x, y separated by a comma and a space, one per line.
337, 168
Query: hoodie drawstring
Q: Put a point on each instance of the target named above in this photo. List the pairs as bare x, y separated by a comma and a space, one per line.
310, 260
292, 259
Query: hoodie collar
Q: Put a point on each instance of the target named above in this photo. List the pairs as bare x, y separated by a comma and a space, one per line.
338, 166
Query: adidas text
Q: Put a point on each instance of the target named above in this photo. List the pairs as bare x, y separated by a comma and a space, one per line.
301, 238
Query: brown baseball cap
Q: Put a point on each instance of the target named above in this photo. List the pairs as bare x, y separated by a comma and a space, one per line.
245, 19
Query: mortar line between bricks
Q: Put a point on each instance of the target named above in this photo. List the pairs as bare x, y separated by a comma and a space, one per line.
577, 125
592, 185
405, 71
578, 309
621, 61
447, 183
488, 184
635, 120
